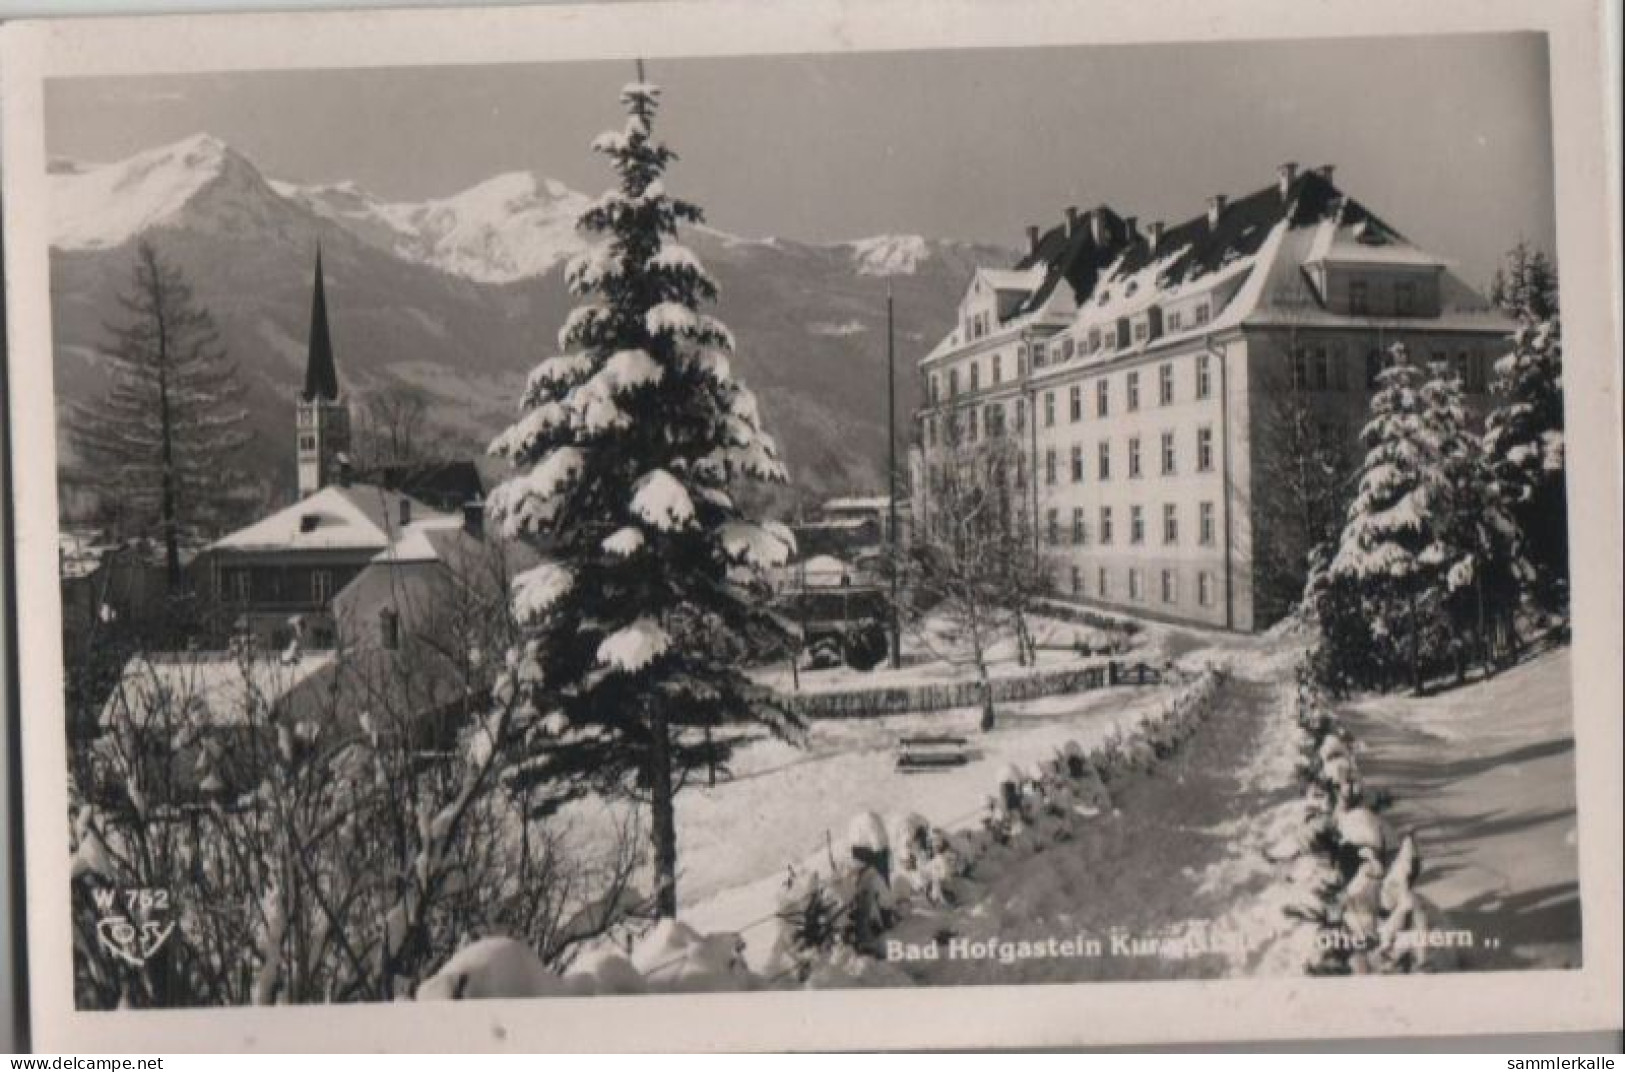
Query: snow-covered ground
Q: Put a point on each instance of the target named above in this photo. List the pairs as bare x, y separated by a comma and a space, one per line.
1485, 776
787, 805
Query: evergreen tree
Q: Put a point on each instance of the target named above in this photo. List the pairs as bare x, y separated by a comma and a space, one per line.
1393, 548
1525, 286
1523, 441
159, 444
1476, 543
628, 448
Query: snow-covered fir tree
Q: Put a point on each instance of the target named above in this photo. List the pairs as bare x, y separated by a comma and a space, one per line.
158, 445
1523, 434
1394, 548
1475, 542
628, 448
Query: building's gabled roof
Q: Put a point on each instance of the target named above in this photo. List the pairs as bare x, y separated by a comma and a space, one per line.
446, 484
354, 517
183, 690
1073, 253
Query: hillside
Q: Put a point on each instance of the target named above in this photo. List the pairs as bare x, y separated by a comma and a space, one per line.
460, 295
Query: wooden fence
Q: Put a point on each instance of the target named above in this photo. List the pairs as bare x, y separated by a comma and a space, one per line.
909, 699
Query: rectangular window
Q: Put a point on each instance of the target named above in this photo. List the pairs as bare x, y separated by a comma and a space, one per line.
1204, 377
1052, 527
1094, 339
1136, 590
1021, 414
1167, 453
1133, 391
1205, 524
1204, 450
1170, 523
953, 383
1173, 321
1049, 409
1077, 463
1359, 297
935, 385
1105, 459
1405, 298
1103, 582
1067, 347
1134, 457
1077, 581
1201, 314
1105, 525
321, 586
1103, 397
1322, 370
241, 586
1049, 466
1204, 588
971, 426
1142, 330
1075, 404
1040, 358
998, 368
1300, 368
1170, 586
1080, 536
993, 419
1165, 385
1136, 524
1021, 470
975, 376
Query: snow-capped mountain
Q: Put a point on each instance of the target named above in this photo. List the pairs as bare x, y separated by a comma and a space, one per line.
510, 227
458, 296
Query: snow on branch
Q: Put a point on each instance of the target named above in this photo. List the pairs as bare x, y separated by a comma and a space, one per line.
660, 500
537, 590
632, 648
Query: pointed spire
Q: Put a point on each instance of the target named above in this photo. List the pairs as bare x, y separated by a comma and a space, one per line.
321, 374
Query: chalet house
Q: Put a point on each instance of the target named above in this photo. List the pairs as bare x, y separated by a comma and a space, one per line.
1138, 375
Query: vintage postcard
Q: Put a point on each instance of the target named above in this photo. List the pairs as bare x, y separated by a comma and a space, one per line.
711, 525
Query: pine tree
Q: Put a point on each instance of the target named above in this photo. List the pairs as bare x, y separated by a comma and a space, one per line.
1523, 439
1475, 543
1393, 547
159, 444
628, 449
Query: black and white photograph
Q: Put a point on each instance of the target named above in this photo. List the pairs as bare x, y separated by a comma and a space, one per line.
608, 525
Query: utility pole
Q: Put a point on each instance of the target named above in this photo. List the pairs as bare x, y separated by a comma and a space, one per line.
891, 472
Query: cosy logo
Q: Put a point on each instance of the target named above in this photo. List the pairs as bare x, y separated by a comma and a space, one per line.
132, 924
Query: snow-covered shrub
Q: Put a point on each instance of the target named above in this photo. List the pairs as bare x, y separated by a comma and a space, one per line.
1351, 879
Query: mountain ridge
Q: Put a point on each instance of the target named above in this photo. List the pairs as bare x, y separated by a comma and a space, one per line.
459, 296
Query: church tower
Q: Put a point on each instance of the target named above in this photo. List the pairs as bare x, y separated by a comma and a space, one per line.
323, 417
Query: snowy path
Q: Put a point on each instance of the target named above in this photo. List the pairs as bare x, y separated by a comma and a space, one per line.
1139, 872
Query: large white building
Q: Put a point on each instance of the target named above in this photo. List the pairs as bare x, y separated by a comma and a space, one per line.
1138, 369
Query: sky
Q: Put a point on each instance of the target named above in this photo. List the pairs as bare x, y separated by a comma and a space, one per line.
1447, 138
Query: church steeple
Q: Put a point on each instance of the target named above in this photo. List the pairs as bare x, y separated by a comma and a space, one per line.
321, 375
323, 418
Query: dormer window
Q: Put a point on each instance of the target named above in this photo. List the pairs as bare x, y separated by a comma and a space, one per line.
1405, 298
1133, 285
1105, 296
1359, 297
1201, 314
309, 522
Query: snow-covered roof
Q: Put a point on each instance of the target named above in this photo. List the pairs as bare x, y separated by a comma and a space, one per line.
206, 688
1360, 238
417, 542
357, 517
